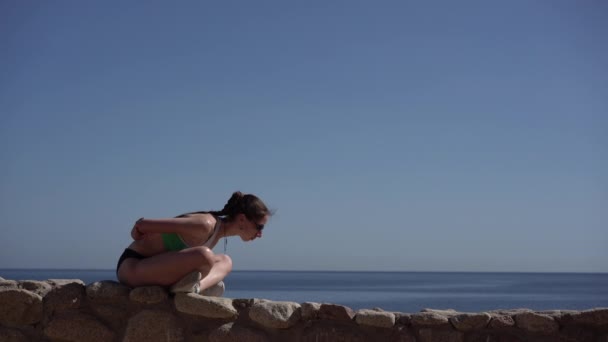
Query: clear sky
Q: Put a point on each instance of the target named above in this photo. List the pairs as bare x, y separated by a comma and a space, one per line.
387, 135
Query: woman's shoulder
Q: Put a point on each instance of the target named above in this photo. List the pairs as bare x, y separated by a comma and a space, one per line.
204, 223
205, 219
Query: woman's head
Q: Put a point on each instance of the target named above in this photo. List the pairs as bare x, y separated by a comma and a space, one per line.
247, 204
245, 211
248, 213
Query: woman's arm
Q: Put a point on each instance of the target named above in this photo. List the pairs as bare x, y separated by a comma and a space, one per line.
181, 225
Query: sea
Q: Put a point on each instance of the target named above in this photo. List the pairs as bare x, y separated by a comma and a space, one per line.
395, 291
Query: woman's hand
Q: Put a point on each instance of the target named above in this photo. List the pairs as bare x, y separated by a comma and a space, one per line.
136, 232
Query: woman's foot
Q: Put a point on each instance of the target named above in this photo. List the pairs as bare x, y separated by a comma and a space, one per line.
188, 284
216, 290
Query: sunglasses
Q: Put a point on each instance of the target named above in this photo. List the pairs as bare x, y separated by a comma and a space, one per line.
257, 225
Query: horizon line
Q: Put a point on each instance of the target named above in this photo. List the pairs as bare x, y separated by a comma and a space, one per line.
322, 271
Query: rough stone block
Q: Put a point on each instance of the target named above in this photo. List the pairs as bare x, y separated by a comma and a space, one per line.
154, 326
403, 318
276, 315
501, 322
595, 317
149, 294
76, 328
209, 307
244, 303
62, 282
434, 335
310, 310
335, 312
494, 337
427, 319
378, 319
536, 323
12, 335
19, 307
333, 333
68, 295
40, 288
230, 332
114, 317
9, 284
470, 321
107, 291
508, 312
562, 317
577, 334
443, 312
402, 334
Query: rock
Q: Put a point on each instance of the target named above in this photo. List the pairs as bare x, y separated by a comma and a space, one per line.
20, 307
231, 333
562, 317
107, 291
336, 312
442, 312
595, 317
64, 296
9, 284
536, 323
552, 313
427, 319
243, 303
276, 315
372, 318
509, 312
470, 321
115, 317
433, 335
331, 333
403, 318
12, 335
209, 307
481, 336
310, 310
40, 288
154, 326
62, 282
402, 334
77, 327
501, 322
577, 334
149, 294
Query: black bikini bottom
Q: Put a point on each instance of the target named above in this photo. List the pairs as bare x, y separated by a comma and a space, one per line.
128, 253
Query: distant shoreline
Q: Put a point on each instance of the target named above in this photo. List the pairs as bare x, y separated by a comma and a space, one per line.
322, 271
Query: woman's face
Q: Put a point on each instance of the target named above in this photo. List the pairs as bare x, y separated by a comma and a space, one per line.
252, 229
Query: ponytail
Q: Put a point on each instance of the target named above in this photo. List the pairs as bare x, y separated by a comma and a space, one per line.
249, 205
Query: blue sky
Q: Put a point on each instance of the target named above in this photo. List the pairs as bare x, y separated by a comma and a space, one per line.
388, 135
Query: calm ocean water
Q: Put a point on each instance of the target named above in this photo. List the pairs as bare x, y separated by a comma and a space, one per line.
397, 291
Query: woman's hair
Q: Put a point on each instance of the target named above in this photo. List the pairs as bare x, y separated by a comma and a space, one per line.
250, 205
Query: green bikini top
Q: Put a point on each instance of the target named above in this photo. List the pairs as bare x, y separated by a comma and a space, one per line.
174, 242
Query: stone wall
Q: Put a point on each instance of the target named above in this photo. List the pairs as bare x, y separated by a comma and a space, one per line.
67, 310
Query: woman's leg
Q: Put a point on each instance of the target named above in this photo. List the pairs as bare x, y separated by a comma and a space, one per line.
167, 268
217, 273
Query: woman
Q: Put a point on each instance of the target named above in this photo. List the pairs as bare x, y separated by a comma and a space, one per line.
177, 251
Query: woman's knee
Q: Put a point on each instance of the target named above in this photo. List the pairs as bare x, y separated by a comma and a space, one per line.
225, 260
202, 252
